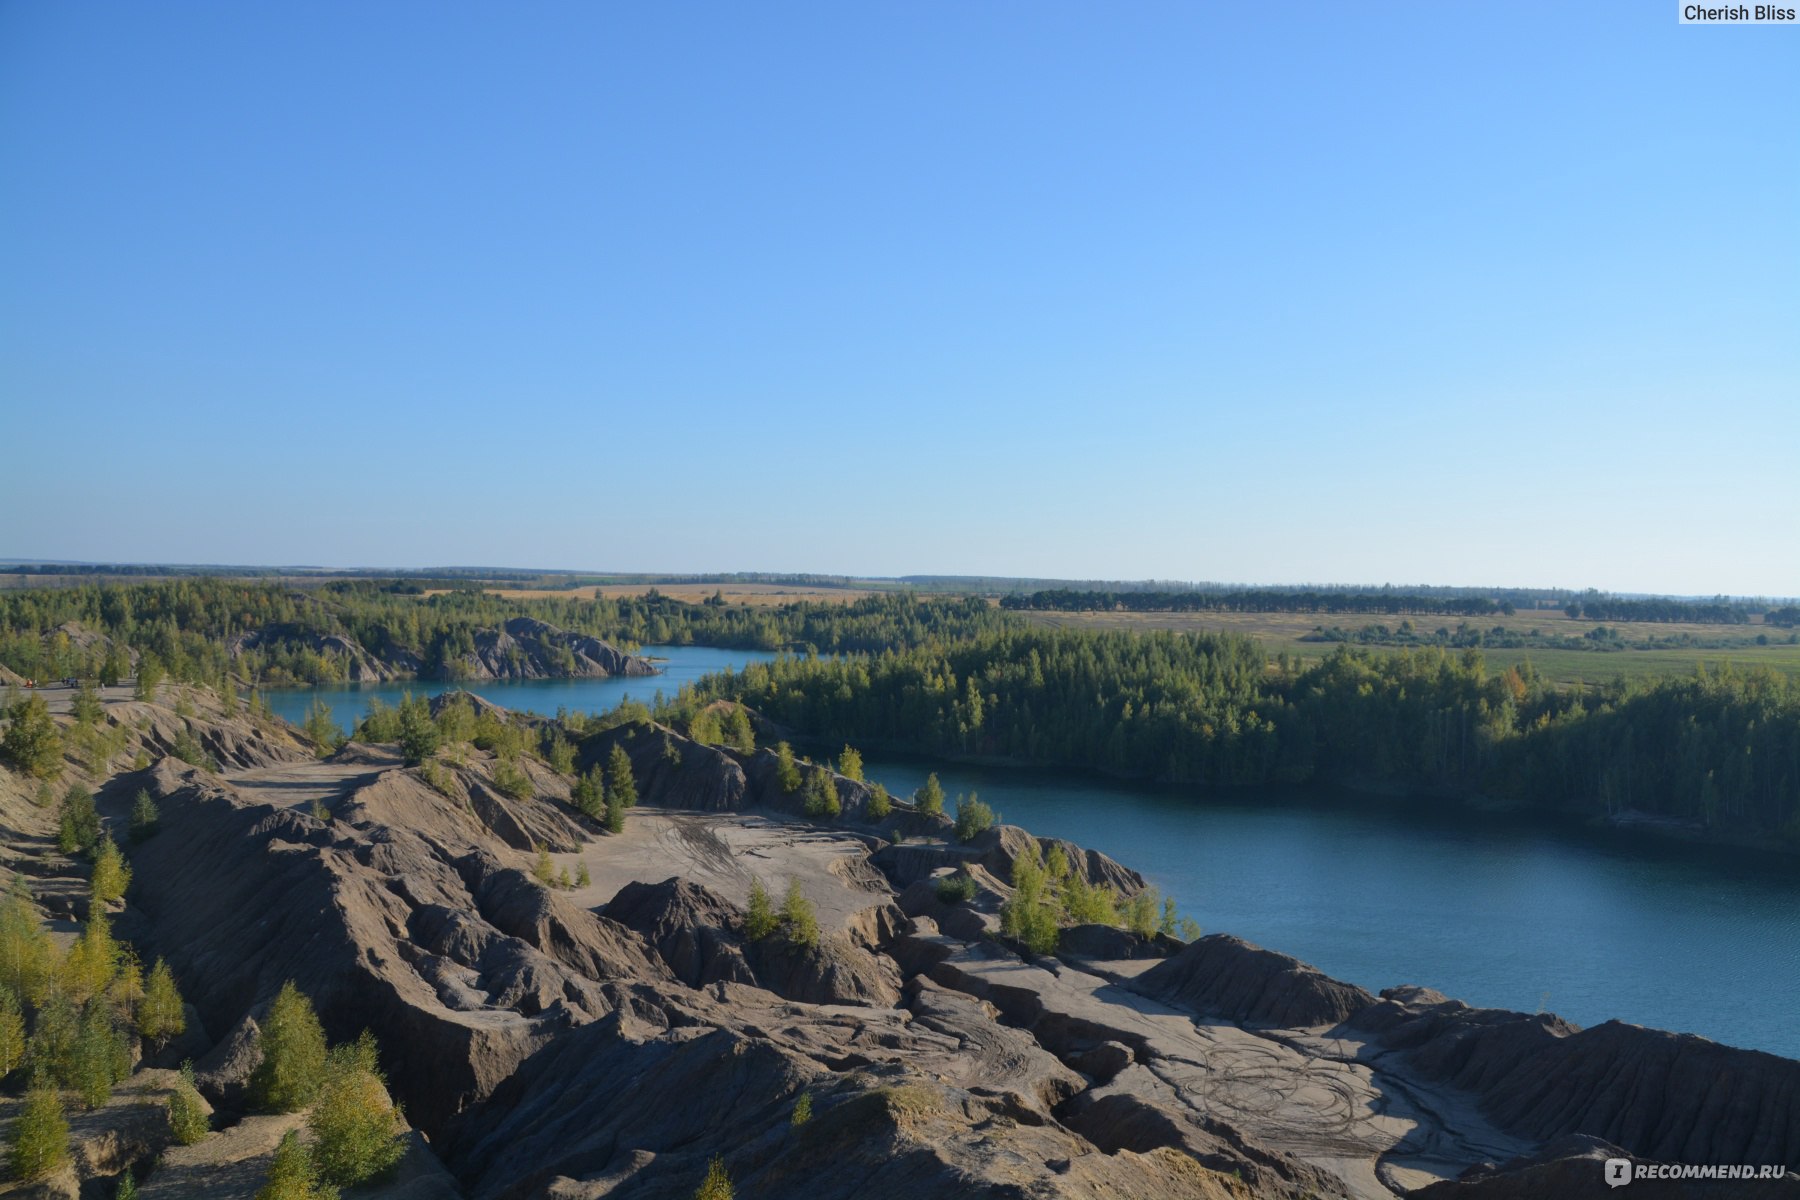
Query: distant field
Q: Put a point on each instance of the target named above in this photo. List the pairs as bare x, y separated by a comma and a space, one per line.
14, 580
693, 593
1569, 666
1283, 631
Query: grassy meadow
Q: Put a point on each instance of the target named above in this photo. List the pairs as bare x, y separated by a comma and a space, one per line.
1281, 632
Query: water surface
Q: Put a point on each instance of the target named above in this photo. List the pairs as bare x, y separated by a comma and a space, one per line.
1509, 911
680, 665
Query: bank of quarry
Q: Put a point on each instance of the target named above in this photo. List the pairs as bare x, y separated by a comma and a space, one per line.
613, 1037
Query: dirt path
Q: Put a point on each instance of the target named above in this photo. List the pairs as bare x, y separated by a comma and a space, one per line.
61, 699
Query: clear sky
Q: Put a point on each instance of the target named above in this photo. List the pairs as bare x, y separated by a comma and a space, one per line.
1472, 293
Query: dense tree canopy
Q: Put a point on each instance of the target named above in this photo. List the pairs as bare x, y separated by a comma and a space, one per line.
197, 627
956, 675
1719, 610
1719, 747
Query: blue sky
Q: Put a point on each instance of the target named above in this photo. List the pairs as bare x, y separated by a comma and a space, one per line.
1409, 292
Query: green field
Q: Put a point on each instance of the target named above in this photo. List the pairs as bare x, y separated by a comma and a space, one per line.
1569, 666
1283, 632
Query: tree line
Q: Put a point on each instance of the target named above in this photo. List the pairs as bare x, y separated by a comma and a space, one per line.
1260, 600
198, 629
1717, 611
1720, 748
1591, 606
955, 675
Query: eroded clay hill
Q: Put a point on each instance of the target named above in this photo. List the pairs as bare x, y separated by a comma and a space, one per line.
610, 1039
520, 648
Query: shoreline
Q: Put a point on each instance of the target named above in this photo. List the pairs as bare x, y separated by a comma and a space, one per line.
1652, 827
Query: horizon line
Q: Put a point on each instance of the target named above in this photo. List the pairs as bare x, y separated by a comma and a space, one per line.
13, 565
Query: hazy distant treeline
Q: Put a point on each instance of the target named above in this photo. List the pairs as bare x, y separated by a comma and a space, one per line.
1717, 612
1385, 602
1261, 600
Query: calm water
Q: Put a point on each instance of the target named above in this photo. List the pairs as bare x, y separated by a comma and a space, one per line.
349, 701
1499, 911
1502, 911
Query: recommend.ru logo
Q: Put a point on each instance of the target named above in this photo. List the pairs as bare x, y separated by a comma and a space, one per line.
1621, 1171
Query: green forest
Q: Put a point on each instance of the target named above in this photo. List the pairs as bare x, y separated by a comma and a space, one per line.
1720, 748
198, 628
954, 675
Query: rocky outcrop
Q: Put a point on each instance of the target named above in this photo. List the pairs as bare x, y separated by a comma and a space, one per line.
1109, 944
522, 825
526, 648
479, 705
997, 1059
1576, 1165
521, 648
832, 972
408, 929
237, 743
361, 665
909, 863
223, 1072
994, 851
1135, 1110
672, 771
1097, 867
700, 936
881, 1126
697, 934
554, 1046
1668, 1096
240, 740
971, 920
478, 813
592, 947
1468, 1048
1155, 1080
1224, 976
132, 1126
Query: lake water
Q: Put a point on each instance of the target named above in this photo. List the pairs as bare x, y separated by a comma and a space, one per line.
681, 664
1504, 911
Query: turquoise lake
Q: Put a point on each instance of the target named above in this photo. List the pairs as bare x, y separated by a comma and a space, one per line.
680, 664
1513, 911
